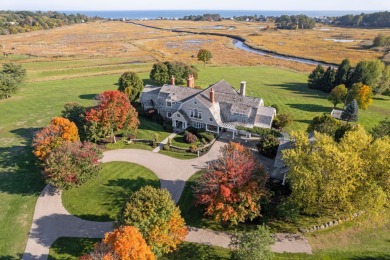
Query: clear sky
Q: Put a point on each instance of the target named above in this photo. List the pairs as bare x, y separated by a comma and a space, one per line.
95, 5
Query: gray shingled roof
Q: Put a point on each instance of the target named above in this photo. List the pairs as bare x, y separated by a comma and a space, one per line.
149, 95
179, 94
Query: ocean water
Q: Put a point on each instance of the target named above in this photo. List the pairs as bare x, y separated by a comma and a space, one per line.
169, 14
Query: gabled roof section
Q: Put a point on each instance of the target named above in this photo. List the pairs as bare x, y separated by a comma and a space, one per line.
179, 94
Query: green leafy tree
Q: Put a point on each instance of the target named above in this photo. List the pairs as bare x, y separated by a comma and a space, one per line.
8, 86
180, 71
384, 84
381, 40
327, 177
153, 212
204, 56
159, 73
351, 112
323, 124
76, 114
369, 73
282, 120
343, 72
131, 84
315, 77
268, 145
338, 95
255, 244
16, 71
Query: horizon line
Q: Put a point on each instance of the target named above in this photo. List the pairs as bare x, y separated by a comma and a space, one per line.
116, 10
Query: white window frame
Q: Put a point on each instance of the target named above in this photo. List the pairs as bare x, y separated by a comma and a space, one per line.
168, 102
169, 116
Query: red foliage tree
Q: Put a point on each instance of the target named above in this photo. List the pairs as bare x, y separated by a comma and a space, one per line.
113, 113
72, 164
231, 188
125, 243
59, 130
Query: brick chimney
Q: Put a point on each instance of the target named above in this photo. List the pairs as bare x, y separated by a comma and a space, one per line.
173, 80
212, 96
191, 81
242, 88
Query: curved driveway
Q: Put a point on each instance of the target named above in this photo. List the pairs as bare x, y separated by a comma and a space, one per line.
51, 220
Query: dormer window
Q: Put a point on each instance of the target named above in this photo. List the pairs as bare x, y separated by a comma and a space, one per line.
169, 104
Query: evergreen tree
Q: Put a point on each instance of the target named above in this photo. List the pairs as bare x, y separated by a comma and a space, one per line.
343, 72
315, 77
328, 80
351, 112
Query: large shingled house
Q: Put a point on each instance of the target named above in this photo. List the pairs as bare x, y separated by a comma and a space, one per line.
216, 108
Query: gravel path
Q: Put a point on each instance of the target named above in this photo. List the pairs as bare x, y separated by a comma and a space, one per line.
51, 220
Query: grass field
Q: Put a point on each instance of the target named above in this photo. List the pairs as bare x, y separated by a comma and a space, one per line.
102, 198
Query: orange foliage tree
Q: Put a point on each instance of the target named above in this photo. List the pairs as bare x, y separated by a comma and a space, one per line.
113, 113
231, 188
125, 243
59, 130
157, 217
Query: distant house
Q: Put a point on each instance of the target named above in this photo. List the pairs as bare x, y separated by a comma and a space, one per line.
216, 108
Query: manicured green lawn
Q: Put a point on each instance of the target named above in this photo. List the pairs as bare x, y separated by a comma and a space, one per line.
73, 248
102, 198
180, 141
148, 128
181, 156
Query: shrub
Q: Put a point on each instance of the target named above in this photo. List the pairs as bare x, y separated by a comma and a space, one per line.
232, 187
208, 136
166, 147
193, 148
254, 244
268, 146
288, 210
276, 107
190, 137
156, 216
72, 164
260, 131
282, 120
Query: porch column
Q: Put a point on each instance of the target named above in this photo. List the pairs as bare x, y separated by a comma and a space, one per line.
217, 129
206, 128
233, 133
173, 123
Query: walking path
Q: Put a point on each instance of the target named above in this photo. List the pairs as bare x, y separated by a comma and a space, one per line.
51, 220
164, 142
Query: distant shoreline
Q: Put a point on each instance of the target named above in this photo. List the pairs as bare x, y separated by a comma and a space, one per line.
172, 14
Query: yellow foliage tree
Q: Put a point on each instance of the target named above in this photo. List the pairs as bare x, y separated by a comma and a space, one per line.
59, 130
363, 95
326, 176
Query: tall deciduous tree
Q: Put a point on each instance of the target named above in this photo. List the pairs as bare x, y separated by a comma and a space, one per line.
72, 164
362, 94
231, 188
351, 112
382, 129
153, 212
338, 95
113, 113
131, 84
125, 243
204, 56
159, 73
369, 73
59, 130
328, 177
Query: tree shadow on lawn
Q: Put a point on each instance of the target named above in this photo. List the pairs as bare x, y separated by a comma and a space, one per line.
121, 189
311, 108
301, 89
194, 251
74, 246
19, 168
89, 96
